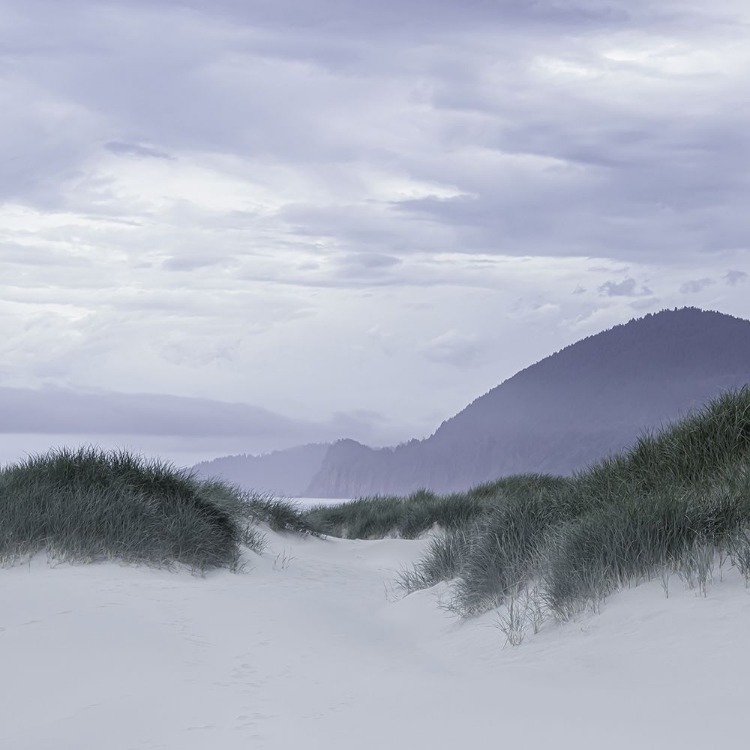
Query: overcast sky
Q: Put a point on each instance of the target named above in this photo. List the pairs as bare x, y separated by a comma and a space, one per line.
351, 217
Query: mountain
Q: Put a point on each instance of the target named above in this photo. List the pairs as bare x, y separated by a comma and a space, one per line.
286, 472
562, 413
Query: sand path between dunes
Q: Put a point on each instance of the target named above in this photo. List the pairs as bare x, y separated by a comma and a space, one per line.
308, 649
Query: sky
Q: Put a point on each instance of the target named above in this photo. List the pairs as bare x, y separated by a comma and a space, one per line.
238, 225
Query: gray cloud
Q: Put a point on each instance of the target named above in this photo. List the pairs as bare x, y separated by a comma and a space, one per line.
453, 348
421, 17
367, 265
371, 260
136, 149
695, 285
733, 277
625, 288
311, 205
518, 139
28, 255
193, 262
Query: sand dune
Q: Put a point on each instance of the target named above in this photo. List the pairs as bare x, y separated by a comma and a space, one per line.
310, 648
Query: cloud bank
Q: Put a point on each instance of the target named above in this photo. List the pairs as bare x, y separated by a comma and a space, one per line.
340, 207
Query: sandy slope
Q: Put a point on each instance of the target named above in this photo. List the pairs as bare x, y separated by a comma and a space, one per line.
313, 652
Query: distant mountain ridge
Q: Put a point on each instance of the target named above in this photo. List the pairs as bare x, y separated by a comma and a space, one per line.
287, 472
568, 410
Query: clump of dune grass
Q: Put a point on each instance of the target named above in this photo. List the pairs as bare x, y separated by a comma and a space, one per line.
672, 502
281, 514
88, 504
506, 549
445, 557
409, 517
364, 518
677, 527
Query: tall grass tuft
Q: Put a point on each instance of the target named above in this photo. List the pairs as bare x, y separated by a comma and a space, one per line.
445, 557
669, 503
281, 514
507, 549
409, 517
88, 504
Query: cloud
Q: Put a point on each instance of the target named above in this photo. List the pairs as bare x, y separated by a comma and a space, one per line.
625, 288
695, 286
229, 198
193, 261
453, 348
393, 100
369, 266
733, 277
371, 260
135, 149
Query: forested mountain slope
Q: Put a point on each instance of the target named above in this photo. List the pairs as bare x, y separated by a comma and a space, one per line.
286, 472
562, 413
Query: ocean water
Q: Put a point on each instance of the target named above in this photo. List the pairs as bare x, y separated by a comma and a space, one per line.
309, 502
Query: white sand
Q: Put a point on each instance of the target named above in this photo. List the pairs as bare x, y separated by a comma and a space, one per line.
312, 653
